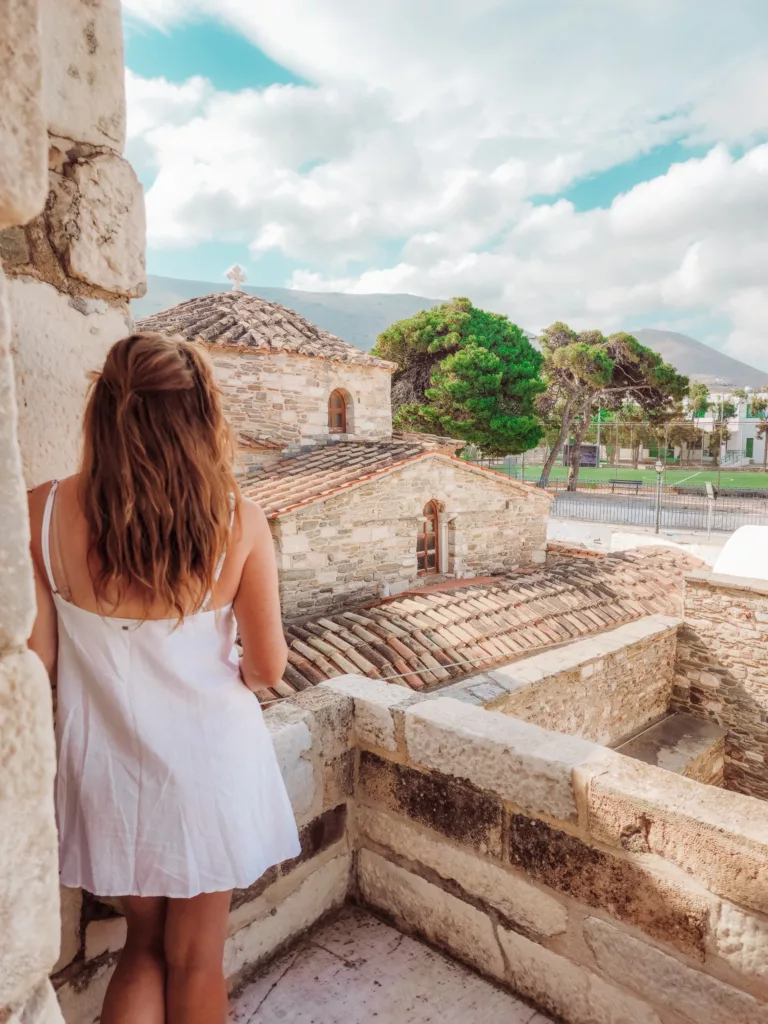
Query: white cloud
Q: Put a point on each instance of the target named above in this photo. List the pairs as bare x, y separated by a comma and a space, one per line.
432, 124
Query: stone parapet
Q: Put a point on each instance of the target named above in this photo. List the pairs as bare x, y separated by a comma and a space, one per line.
722, 671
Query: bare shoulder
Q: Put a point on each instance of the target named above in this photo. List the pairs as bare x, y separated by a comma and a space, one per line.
253, 522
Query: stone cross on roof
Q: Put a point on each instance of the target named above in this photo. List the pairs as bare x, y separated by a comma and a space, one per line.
237, 276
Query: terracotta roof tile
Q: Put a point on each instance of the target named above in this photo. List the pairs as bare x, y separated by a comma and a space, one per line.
246, 322
432, 637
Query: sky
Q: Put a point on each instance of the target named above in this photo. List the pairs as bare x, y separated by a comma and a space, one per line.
604, 163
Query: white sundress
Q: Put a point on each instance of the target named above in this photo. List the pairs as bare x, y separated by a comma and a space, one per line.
167, 784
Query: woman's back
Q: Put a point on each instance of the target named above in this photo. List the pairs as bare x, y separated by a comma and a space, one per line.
167, 782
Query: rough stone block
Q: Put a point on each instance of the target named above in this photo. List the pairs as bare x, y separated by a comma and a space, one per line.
23, 138
82, 998
17, 593
374, 724
106, 935
321, 891
568, 989
523, 763
83, 71
40, 1008
332, 720
71, 901
719, 837
438, 802
629, 891
512, 895
100, 226
419, 906
291, 741
56, 340
741, 939
668, 982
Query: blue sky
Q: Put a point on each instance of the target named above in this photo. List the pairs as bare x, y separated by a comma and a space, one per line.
603, 165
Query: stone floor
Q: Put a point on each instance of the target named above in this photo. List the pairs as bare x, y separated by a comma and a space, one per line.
357, 969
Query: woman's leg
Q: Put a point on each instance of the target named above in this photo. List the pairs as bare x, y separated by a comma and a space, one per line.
137, 989
195, 932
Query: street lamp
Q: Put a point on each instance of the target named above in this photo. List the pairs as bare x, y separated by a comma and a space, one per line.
659, 467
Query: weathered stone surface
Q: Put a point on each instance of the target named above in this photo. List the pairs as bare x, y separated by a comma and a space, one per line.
722, 672
40, 1008
374, 724
55, 341
29, 890
332, 720
742, 940
83, 76
520, 762
23, 139
292, 740
511, 894
457, 811
320, 892
17, 593
106, 935
425, 908
600, 689
71, 902
667, 982
720, 838
684, 744
627, 890
568, 989
82, 998
100, 225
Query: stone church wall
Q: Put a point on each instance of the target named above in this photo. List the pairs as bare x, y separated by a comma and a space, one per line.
344, 550
722, 671
75, 261
285, 397
71, 255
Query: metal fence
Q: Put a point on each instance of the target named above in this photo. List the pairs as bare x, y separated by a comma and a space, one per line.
675, 511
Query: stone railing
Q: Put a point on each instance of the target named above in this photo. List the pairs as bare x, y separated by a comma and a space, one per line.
722, 671
605, 890
604, 688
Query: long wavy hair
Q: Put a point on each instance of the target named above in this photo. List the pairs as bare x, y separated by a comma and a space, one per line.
156, 477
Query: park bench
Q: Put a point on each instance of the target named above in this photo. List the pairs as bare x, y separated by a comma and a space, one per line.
632, 484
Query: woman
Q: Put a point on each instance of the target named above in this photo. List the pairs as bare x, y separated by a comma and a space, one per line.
168, 792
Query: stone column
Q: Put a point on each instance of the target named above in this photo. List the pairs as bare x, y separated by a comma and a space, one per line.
71, 256
29, 900
73, 267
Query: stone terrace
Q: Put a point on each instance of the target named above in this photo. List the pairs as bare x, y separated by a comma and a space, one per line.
440, 634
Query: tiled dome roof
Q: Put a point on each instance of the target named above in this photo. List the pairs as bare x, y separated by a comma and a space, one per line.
241, 321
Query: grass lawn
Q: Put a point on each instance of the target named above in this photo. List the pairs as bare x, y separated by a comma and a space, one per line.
689, 475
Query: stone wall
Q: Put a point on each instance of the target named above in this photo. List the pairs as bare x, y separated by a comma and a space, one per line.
77, 257
29, 896
285, 396
603, 689
604, 890
313, 740
346, 549
722, 671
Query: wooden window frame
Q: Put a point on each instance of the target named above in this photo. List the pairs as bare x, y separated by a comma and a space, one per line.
337, 411
429, 530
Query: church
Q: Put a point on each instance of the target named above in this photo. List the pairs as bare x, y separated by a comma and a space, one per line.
358, 512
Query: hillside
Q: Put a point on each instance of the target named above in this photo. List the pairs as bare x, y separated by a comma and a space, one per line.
359, 319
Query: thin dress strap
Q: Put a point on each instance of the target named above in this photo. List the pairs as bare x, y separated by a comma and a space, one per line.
220, 563
46, 534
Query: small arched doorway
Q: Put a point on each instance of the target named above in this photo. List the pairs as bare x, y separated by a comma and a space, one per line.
427, 543
337, 412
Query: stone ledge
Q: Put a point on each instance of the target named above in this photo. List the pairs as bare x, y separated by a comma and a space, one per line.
717, 581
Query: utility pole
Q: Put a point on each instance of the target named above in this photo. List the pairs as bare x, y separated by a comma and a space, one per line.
659, 467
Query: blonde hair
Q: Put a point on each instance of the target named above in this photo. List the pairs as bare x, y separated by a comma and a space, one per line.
156, 476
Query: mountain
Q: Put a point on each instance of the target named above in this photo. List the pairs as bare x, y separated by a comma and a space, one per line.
359, 319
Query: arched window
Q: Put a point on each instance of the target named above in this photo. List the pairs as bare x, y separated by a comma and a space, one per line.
337, 413
427, 557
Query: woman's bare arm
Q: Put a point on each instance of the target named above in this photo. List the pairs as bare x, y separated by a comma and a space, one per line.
257, 605
44, 640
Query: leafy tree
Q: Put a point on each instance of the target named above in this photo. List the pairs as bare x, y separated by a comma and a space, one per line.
466, 373
587, 369
698, 399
